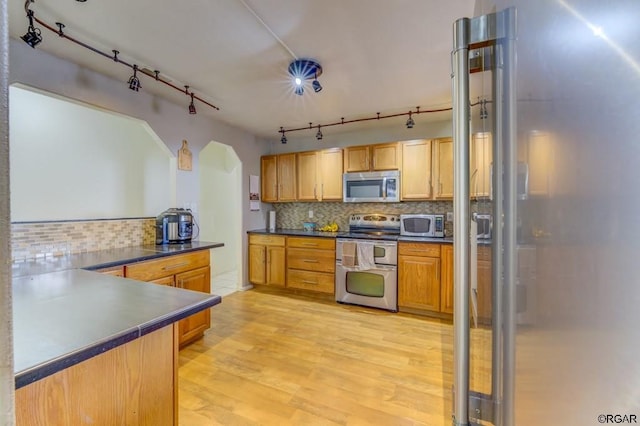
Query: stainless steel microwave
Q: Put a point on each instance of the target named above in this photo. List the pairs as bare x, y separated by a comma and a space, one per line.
370, 187
422, 225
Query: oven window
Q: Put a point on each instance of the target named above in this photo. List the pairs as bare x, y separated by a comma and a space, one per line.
364, 189
379, 251
365, 283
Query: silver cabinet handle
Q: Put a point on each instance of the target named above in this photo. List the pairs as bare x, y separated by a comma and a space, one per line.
309, 260
310, 282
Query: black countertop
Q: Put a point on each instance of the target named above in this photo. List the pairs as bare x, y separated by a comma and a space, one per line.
63, 315
344, 234
63, 318
104, 258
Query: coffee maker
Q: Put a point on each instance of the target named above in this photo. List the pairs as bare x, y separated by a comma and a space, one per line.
174, 226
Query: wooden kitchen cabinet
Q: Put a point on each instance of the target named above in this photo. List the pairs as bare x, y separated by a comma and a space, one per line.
416, 170
419, 276
278, 177
116, 271
319, 175
484, 285
443, 169
356, 159
311, 264
190, 271
386, 156
480, 163
365, 158
267, 259
446, 285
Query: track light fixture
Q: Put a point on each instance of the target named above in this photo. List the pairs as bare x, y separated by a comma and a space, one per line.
319, 134
192, 107
33, 37
134, 82
283, 139
305, 69
410, 122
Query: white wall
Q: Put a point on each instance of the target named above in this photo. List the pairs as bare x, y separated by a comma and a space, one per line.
220, 192
169, 121
74, 161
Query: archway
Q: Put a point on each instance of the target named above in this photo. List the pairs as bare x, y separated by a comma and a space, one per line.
221, 214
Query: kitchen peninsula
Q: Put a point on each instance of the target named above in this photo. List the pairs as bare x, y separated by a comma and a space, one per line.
96, 348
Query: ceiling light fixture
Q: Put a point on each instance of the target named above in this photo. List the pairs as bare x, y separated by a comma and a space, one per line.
33, 37
134, 82
305, 69
283, 139
192, 107
410, 122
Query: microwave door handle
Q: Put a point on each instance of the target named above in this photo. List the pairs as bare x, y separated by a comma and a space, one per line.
384, 188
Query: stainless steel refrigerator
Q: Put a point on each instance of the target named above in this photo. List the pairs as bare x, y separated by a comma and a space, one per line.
556, 85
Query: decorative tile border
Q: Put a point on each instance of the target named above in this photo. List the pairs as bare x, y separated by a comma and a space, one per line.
41, 239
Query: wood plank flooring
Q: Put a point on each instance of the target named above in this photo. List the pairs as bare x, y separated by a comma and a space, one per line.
274, 359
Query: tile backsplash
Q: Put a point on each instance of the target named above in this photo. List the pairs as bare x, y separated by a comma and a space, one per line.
292, 215
40, 239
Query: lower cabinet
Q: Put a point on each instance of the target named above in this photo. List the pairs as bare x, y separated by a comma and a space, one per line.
419, 276
190, 271
267, 260
311, 264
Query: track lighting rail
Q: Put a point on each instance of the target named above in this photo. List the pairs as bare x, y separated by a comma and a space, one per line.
59, 31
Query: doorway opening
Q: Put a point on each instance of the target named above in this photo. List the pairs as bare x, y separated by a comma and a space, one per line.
220, 214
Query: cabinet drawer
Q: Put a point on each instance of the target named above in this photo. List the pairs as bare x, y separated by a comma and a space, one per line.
315, 281
116, 271
312, 243
419, 249
311, 260
267, 240
163, 267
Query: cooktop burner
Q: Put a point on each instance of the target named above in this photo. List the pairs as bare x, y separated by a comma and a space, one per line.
374, 226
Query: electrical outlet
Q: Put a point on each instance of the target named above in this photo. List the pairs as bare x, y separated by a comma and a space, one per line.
310, 214
449, 216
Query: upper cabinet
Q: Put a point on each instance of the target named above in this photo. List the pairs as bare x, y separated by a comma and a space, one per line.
443, 169
481, 158
427, 169
319, 175
278, 177
366, 158
416, 170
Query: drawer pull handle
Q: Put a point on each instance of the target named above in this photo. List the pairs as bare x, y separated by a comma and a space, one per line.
309, 260
177, 265
310, 282
310, 244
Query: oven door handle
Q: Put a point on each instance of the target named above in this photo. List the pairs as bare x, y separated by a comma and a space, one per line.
357, 268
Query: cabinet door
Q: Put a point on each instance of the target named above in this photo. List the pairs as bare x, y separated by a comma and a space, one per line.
276, 266
356, 159
170, 281
287, 177
257, 264
197, 280
446, 285
484, 285
385, 156
269, 178
416, 170
419, 282
481, 158
443, 168
331, 174
307, 176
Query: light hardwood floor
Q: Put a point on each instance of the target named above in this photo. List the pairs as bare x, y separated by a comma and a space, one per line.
274, 359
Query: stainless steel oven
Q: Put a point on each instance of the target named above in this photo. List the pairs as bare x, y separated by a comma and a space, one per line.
371, 282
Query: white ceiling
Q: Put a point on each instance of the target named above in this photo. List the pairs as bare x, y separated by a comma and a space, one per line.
378, 55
